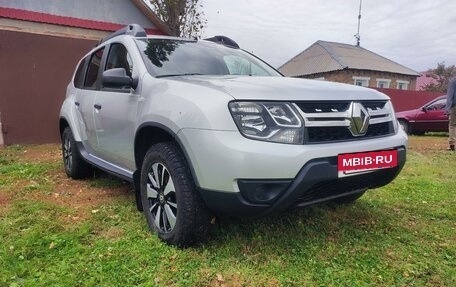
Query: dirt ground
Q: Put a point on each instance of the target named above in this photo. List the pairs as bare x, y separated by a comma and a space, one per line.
85, 196
82, 196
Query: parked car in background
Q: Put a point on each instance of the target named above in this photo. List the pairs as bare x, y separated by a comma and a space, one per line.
429, 118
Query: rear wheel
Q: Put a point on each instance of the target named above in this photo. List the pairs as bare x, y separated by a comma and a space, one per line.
75, 166
171, 203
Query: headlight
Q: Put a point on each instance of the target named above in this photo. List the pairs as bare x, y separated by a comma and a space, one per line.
268, 121
393, 115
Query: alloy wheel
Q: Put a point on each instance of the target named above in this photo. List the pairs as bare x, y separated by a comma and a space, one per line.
161, 195
67, 153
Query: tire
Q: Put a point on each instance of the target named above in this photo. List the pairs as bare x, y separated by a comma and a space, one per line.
75, 166
349, 199
172, 205
405, 126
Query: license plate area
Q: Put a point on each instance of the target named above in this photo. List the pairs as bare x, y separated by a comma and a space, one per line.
356, 163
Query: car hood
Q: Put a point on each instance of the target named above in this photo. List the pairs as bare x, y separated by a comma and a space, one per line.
282, 88
407, 113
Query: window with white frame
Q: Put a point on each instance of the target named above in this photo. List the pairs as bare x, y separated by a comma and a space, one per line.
383, 83
361, 81
402, 85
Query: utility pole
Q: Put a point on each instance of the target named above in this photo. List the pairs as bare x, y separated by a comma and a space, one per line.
358, 36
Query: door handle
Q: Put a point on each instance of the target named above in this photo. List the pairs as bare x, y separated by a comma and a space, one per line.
97, 106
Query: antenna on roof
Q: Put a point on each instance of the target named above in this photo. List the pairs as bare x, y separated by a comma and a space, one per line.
358, 36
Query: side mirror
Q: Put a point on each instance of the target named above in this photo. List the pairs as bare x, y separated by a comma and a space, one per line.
424, 109
118, 78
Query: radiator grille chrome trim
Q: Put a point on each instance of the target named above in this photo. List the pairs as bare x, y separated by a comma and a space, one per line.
345, 120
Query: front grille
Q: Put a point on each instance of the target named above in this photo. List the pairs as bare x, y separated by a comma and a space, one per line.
323, 107
334, 121
333, 134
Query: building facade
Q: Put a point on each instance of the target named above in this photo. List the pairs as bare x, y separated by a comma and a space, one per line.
349, 64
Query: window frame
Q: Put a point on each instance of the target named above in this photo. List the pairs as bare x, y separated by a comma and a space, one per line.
387, 81
105, 64
100, 70
79, 74
399, 82
364, 80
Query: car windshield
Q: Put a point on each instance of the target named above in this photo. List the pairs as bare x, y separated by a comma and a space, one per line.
167, 58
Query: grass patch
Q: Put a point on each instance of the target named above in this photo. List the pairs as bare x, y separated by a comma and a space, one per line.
88, 233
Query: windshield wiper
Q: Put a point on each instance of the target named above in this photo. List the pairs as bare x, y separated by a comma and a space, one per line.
177, 75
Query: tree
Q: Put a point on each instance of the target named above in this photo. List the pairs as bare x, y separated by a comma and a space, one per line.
183, 17
441, 76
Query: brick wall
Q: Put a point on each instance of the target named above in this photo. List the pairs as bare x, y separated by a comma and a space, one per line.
346, 76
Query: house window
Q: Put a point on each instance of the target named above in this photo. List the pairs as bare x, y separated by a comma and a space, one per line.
383, 83
402, 85
361, 81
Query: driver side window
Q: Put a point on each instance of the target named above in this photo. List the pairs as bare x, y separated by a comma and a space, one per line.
437, 105
118, 57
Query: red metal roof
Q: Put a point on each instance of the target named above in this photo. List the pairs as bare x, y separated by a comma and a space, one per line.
25, 15
423, 80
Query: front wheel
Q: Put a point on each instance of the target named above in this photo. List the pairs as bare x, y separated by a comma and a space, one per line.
171, 203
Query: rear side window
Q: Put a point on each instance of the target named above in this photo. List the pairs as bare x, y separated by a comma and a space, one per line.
91, 79
79, 76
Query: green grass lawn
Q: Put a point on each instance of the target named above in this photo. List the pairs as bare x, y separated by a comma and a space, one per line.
59, 232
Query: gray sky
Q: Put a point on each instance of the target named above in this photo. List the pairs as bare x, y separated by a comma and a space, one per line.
415, 33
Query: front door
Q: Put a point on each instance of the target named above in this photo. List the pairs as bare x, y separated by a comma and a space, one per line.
115, 114
432, 117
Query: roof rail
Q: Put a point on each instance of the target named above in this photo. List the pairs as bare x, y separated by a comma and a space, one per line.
224, 41
134, 30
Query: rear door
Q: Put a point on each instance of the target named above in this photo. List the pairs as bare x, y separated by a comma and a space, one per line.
85, 99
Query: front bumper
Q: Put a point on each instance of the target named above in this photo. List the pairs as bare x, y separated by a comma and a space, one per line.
316, 182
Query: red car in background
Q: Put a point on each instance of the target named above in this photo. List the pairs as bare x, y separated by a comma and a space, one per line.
429, 118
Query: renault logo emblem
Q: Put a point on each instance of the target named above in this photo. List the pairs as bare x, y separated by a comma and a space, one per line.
359, 120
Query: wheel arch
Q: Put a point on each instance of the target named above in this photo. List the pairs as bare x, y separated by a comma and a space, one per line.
151, 133
63, 123
67, 120
147, 135
407, 122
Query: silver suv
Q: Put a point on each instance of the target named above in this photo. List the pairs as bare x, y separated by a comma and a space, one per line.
203, 129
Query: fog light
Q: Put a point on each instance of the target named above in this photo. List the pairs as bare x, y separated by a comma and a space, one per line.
262, 191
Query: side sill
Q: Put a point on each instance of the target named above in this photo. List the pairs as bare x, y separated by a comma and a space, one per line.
104, 165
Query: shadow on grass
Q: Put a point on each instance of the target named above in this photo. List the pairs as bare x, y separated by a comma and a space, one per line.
102, 179
303, 230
